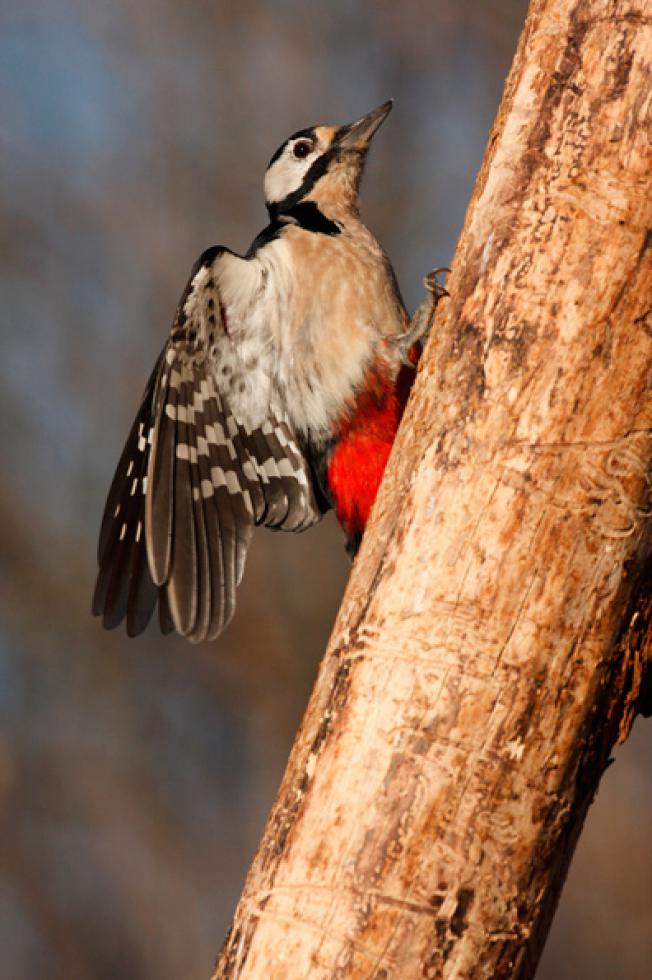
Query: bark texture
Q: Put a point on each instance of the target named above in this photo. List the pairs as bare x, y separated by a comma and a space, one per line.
493, 641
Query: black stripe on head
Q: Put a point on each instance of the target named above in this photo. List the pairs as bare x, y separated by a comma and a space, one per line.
317, 170
300, 133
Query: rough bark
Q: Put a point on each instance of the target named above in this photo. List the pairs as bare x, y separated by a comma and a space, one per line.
493, 640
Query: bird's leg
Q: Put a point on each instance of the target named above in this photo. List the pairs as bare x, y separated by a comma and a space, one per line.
421, 321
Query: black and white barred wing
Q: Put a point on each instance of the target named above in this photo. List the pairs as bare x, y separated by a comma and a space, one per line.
210, 455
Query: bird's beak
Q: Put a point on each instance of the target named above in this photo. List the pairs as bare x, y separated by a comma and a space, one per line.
356, 135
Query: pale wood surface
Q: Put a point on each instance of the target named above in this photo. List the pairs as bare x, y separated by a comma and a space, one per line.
480, 668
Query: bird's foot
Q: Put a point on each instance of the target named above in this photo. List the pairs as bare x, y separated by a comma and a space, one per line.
435, 288
422, 319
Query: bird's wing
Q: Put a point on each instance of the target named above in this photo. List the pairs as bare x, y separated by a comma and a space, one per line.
210, 454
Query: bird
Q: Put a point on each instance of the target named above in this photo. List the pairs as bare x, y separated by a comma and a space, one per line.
276, 397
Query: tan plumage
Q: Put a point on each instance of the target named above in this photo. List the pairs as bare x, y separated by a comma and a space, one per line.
343, 310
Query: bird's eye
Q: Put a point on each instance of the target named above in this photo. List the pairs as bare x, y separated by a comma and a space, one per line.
302, 148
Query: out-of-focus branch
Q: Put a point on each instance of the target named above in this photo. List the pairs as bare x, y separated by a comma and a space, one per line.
493, 642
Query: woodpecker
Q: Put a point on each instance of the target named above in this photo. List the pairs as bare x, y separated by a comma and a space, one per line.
276, 397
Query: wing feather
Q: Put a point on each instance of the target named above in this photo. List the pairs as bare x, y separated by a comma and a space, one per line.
219, 468
202, 623
200, 469
214, 597
124, 585
143, 593
131, 459
183, 580
166, 623
276, 438
159, 498
275, 497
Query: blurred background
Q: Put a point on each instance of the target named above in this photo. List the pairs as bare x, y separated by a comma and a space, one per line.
135, 776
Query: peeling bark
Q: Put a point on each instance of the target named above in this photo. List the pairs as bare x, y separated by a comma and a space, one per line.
494, 639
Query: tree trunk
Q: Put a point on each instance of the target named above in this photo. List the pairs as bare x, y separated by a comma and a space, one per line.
492, 643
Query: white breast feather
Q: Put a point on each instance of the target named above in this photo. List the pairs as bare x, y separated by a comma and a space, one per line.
254, 292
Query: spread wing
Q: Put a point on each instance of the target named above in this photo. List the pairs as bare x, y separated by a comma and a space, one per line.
211, 454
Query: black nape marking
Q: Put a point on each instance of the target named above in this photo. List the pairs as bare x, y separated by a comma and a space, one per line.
306, 215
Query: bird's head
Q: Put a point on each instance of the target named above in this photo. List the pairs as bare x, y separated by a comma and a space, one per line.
323, 164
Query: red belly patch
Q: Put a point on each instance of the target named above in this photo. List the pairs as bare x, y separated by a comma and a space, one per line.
358, 461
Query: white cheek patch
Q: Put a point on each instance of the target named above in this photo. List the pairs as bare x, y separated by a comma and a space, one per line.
286, 175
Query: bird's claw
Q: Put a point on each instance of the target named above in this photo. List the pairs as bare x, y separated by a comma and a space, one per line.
434, 287
422, 319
